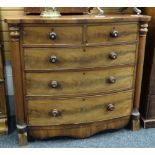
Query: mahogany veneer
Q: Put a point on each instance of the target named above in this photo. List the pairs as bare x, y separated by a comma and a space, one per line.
76, 75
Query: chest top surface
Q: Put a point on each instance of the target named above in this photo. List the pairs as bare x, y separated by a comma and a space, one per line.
77, 19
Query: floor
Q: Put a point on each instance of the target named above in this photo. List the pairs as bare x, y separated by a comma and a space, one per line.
123, 138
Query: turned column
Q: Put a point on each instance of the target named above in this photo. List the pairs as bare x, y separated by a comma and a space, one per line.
135, 122
14, 32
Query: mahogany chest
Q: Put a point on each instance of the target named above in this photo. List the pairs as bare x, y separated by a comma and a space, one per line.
76, 75
3, 112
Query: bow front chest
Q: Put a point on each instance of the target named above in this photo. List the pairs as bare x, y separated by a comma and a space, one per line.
76, 75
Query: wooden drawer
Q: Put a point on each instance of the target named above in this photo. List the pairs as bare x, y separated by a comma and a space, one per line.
73, 58
79, 82
102, 33
41, 35
79, 110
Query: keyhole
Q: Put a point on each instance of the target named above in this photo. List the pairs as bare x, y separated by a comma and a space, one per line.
83, 99
84, 50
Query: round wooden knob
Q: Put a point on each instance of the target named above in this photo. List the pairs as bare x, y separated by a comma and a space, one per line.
110, 107
54, 84
53, 59
55, 113
112, 79
53, 35
113, 55
114, 33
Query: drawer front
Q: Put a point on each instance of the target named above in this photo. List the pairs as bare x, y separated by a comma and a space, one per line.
79, 110
73, 58
112, 33
70, 83
52, 35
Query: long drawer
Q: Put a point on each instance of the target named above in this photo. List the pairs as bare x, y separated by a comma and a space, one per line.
79, 110
115, 32
79, 82
73, 58
52, 35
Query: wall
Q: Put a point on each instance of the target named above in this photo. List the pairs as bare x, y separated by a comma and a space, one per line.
4, 39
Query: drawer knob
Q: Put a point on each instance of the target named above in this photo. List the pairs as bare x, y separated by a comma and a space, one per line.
112, 79
113, 55
54, 84
53, 59
114, 33
53, 35
55, 113
110, 107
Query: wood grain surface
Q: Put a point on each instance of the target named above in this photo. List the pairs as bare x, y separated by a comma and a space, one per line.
64, 35
78, 19
74, 58
92, 92
79, 110
77, 130
82, 82
101, 33
62, 10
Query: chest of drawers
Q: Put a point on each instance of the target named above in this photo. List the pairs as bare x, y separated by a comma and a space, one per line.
3, 113
76, 75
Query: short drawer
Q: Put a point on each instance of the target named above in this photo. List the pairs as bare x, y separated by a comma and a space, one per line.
74, 58
79, 82
52, 35
79, 110
112, 33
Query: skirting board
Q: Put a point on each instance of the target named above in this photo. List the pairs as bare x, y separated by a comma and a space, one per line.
148, 123
3, 126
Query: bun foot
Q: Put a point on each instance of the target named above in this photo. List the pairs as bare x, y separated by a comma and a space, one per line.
135, 125
135, 120
22, 138
22, 134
